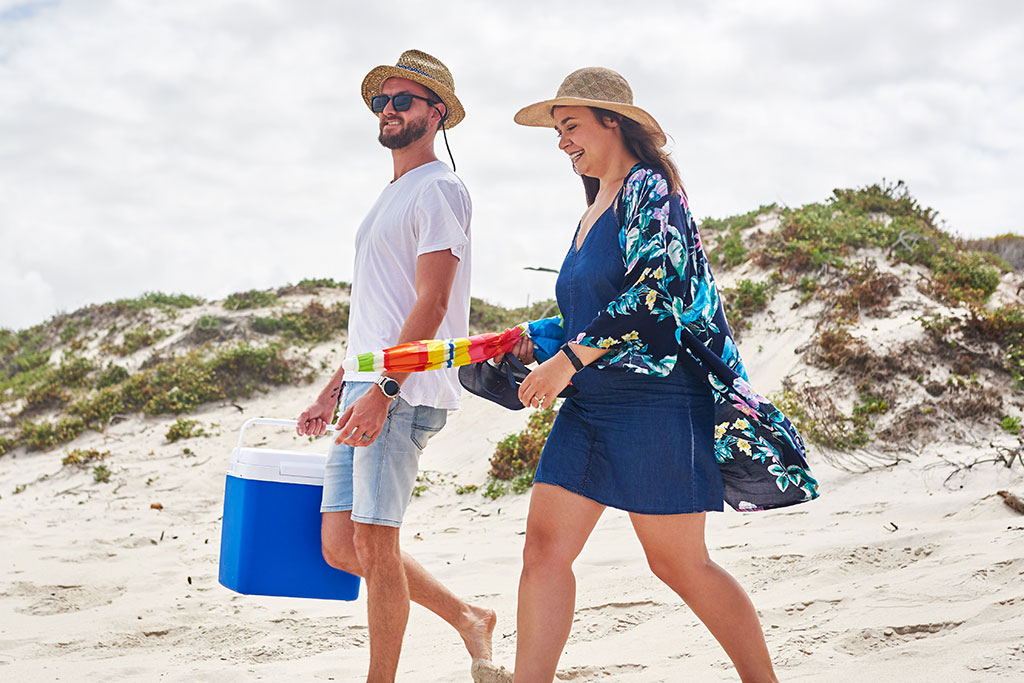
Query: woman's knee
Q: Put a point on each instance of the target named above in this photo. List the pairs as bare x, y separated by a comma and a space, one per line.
677, 569
545, 550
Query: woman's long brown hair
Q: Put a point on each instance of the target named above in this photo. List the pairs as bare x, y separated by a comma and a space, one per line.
640, 143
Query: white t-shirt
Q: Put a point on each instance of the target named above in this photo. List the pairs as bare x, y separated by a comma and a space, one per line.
427, 209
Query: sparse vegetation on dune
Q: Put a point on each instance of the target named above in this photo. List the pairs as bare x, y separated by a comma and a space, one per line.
253, 298
314, 324
80, 371
516, 456
843, 254
846, 264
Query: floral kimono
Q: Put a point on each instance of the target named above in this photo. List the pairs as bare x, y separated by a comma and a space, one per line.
669, 311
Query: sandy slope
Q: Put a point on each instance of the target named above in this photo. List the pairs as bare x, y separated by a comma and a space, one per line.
891, 575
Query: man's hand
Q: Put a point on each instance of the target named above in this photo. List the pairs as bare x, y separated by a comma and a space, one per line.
523, 350
361, 423
314, 420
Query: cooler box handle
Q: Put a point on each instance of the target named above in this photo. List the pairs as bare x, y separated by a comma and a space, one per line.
269, 421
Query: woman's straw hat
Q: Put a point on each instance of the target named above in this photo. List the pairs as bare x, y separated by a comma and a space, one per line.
424, 69
592, 86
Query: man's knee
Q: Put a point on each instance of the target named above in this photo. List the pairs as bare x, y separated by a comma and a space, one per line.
376, 546
336, 542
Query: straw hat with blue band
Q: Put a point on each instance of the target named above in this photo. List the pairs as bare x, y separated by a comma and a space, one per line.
592, 86
421, 68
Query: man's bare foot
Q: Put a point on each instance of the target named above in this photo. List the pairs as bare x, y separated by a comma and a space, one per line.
486, 672
476, 632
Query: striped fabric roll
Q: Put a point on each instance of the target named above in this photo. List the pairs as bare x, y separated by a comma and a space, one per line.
432, 354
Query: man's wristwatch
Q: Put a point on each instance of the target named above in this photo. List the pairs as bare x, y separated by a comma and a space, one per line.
389, 387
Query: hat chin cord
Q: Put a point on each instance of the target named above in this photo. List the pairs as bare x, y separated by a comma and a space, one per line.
444, 134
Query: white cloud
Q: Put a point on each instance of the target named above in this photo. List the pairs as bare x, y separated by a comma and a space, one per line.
209, 147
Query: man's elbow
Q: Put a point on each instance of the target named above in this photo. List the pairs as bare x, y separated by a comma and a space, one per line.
436, 306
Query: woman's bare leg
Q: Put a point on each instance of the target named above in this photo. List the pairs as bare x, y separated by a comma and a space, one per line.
557, 526
677, 554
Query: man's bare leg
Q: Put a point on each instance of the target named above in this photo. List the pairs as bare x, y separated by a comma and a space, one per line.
474, 624
387, 597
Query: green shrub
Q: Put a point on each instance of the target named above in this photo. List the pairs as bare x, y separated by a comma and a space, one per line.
891, 199
72, 329
6, 444
253, 298
522, 482
53, 387
135, 339
829, 429
517, 454
311, 286
114, 374
1003, 326
100, 474
736, 223
495, 489
313, 324
180, 384
82, 458
746, 298
44, 435
183, 428
869, 403
818, 234
731, 253
21, 352
159, 300
1010, 424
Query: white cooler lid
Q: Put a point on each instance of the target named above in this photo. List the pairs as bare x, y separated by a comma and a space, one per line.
286, 466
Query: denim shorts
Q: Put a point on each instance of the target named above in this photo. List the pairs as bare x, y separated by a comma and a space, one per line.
375, 482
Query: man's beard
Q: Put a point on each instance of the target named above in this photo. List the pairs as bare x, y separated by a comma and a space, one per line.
410, 133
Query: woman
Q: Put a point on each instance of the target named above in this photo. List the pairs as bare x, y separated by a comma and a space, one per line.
650, 355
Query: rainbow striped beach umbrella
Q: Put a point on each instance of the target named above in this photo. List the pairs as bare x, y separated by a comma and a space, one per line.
433, 354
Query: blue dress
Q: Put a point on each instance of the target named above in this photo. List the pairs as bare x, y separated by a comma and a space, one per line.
637, 442
667, 314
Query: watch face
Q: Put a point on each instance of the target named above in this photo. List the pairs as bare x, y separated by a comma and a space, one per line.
390, 387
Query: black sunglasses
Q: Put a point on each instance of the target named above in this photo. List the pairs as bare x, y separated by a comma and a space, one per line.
400, 102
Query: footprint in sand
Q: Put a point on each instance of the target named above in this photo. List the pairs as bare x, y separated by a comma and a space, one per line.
60, 599
599, 621
870, 640
597, 673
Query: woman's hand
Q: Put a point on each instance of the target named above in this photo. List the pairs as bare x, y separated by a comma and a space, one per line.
541, 387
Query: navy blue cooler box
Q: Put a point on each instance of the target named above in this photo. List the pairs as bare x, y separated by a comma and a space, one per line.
270, 535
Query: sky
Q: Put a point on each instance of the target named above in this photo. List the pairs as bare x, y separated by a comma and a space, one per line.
213, 146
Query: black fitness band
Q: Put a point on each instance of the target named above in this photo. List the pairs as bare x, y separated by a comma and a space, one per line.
573, 358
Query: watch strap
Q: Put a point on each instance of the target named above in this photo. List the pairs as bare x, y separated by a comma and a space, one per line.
573, 358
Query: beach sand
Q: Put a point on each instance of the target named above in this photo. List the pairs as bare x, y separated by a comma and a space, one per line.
893, 574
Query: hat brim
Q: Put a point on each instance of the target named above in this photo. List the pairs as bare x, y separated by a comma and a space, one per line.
377, 76
539, 114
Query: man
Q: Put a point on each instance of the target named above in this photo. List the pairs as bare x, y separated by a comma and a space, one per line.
411, 281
